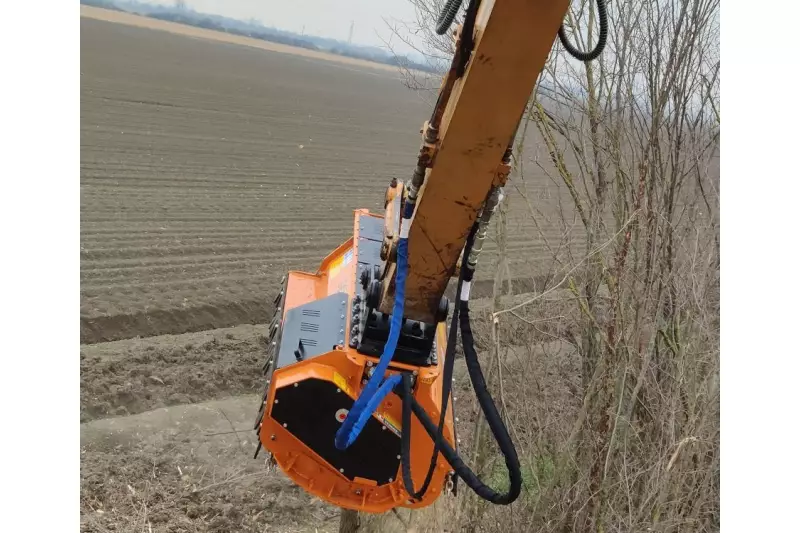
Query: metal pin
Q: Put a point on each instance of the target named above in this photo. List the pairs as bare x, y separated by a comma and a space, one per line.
341, 470
284, 424
391, 479
272, 437
276, 401
398, 457
338, 390
296, 384
369, 363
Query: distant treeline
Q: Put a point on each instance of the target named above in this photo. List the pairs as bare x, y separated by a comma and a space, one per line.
181, 14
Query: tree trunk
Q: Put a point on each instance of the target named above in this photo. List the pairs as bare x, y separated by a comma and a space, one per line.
440, 516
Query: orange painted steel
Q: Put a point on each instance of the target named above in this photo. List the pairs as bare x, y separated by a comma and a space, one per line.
512, 41
345, 367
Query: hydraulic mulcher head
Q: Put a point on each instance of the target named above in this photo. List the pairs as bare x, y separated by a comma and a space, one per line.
324, 342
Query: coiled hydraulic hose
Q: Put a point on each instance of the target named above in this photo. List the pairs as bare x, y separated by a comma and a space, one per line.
493, 418
601, 40
447, 15
450, 10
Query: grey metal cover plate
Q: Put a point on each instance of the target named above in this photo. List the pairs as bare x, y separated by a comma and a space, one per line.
319, 325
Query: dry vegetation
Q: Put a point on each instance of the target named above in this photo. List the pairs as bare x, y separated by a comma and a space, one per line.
609, 374
193, 181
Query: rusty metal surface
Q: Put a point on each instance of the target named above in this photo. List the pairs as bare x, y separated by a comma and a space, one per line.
511, 47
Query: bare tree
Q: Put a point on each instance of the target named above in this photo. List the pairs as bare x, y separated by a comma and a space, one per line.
616, 171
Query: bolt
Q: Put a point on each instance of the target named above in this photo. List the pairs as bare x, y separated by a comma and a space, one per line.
398, 457
341, 330
369, 363
341, 470
284, 424
342, 316
383, 428
391, 479
415, 372
358, 492
276, 402
338, 390
296, 384
272, 437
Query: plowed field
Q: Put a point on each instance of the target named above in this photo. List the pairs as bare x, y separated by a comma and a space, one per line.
208, 169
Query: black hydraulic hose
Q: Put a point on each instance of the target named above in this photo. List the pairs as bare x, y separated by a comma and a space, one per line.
489, 408
485, 400
447, 15
601, 40
447, 376
462, 470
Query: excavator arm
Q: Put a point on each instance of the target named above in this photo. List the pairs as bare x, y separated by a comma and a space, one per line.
357, 407
467, 143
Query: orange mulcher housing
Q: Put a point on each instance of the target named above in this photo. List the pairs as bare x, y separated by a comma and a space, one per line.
315, 374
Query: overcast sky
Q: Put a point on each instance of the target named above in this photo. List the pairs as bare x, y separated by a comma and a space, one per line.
325, 18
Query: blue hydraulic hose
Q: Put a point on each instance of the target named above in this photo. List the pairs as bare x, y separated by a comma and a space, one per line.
377, 389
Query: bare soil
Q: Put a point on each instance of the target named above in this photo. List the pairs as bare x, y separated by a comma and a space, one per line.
188, 469
136, 375
210, 168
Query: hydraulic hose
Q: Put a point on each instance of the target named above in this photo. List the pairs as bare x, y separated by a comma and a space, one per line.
447, 15
601, 40
493, 418
375, 389
447, 376
450, 10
